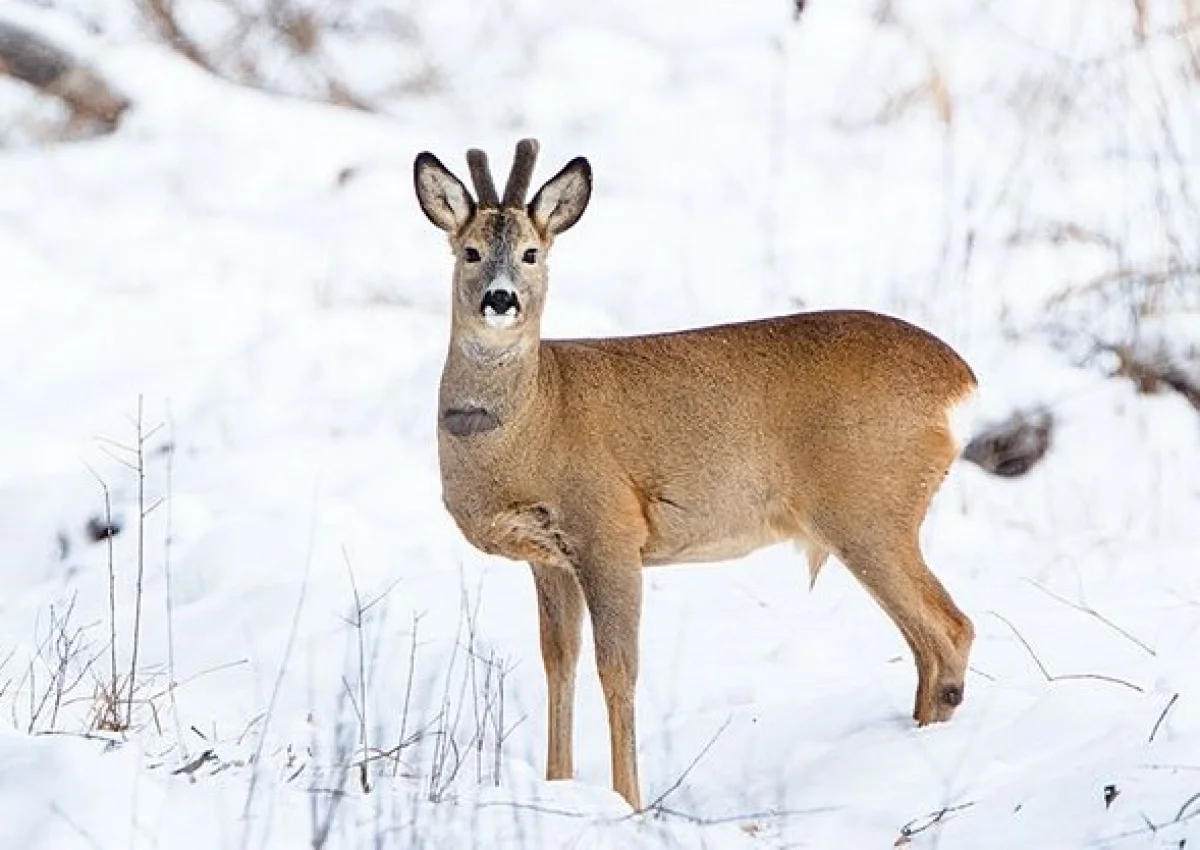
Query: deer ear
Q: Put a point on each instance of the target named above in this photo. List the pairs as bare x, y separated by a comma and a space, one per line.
444, 199
561, 202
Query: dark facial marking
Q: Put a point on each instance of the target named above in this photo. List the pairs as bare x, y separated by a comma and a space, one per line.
500, 300
503, 232
465, 421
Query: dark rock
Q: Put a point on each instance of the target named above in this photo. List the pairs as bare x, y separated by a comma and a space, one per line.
1013, 447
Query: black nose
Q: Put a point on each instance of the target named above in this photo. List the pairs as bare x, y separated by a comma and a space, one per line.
500, 300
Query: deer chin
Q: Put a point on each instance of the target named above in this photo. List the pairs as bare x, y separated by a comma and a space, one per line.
500, 321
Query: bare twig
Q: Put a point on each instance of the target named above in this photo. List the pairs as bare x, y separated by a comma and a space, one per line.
919, 825
656, 804
168, 545
1162, 716
1087, 609
191, 766
403, 742
140, 455
161, 16
361, 703
112, 581
1060, 677
1186, 813
321, 823
1183, 810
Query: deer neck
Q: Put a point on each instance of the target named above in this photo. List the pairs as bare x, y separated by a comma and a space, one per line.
486, 388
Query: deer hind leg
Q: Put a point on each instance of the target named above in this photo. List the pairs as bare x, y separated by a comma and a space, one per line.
560, 619
938, 633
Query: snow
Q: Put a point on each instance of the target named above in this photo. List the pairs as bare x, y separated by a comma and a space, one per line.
253, 270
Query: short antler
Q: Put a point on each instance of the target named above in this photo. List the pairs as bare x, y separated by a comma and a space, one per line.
521, 174
481, 176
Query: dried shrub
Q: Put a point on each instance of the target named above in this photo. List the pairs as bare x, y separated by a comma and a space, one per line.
93, 105
306, 49
1013, 447
1157, 370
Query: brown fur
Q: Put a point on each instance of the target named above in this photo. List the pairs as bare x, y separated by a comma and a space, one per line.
827, 429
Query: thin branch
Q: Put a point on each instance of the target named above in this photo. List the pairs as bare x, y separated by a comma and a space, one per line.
408, 690
141, 559
531, 807
1025, 643
674, 786
168, 543
1180, 817
919, 825
112, 583
1099, 677
1087, 609
113, 444
1163, 716
118, 459
1063, 676
155, 505
76, 828
161, 15
979, 672
1187, 805
360, 703
217, 668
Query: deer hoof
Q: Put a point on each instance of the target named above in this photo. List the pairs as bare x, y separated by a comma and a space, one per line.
952, 695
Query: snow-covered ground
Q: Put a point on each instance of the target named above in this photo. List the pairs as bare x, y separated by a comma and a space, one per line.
253, 273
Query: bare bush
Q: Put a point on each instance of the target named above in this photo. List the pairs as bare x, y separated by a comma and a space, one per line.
1013, 447
93, 104
312, 50
475, 679
62, 659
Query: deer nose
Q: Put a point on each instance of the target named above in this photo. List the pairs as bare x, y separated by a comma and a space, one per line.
500, 304
500, 301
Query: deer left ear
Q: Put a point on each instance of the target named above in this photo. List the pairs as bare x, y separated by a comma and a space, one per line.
560, 203
444, 199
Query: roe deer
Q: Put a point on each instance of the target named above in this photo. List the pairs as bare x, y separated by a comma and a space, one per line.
592, 458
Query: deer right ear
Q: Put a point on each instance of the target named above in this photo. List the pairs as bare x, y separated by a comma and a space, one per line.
444, 199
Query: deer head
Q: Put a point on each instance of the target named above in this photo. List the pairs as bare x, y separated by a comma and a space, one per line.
500, 245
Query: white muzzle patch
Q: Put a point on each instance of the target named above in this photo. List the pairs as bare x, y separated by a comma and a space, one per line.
500, 306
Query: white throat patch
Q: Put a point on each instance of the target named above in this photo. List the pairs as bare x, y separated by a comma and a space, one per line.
483, 354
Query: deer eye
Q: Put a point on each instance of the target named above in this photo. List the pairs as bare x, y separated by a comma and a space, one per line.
471, 255
530, 256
